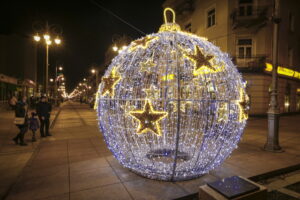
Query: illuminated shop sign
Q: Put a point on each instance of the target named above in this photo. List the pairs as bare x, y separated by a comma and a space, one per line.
283, 71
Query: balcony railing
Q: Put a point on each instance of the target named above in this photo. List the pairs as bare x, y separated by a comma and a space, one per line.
257, 18
252, 63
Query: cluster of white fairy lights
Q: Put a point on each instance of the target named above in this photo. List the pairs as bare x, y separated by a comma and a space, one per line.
172, 106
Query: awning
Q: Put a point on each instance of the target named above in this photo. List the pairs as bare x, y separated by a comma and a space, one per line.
8, 79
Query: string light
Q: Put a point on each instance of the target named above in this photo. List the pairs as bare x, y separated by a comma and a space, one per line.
175, 107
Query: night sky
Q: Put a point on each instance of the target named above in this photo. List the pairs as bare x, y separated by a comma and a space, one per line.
87, 29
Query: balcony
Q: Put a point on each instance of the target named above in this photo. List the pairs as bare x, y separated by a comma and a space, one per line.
255, 63
252, 17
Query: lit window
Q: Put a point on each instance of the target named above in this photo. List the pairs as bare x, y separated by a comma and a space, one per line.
244, 48
245, 7
211, 17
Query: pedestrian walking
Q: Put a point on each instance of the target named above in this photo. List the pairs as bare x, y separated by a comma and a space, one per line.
13, 102
43, 110
21, 121
33, 125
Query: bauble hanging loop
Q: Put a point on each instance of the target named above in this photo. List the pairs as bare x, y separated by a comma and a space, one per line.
167, 26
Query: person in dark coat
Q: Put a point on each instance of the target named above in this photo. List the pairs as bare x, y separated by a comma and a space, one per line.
43, 110
21, 111
33, 125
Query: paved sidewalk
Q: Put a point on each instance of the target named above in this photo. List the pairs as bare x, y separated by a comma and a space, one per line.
13, 158
75, 163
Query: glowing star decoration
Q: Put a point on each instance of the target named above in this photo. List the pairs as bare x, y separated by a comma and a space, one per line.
169, 124
200, 60
145, 66
142, 43
110, 82
148, 119
243, 104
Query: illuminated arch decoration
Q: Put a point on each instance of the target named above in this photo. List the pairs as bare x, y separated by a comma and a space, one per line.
176, 106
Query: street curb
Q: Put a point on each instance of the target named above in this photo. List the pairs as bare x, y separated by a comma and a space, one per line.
256, 178
274, 173
52, 123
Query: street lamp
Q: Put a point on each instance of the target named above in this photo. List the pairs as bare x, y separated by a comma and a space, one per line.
115, 48
272, 143
84, 79
47, 30
37, 38
57, 40
48, 42
94, 71
60, 68
47, 37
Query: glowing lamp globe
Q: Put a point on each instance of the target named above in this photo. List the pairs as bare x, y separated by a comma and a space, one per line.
171, 106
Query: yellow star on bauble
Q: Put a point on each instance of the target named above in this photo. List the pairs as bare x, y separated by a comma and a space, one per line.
110, 82
199, 59
148, 119
143, 43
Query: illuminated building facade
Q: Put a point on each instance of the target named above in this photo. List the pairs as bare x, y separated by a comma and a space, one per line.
243, 29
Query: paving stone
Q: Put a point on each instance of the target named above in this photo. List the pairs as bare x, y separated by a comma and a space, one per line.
40, 187
89, 178
88, 164
111, 192
151, 189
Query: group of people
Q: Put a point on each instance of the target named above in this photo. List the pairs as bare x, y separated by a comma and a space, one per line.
23, 122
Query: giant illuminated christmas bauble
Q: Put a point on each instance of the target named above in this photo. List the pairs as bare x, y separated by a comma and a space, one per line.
172, 106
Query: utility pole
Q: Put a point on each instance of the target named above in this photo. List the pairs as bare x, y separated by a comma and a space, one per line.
272, 143
47, 66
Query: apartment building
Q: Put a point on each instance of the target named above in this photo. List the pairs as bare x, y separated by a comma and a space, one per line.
244, 30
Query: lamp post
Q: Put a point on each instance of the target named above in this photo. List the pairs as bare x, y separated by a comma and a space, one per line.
94, 71
272, 143
60, 68
47, 37
52, 81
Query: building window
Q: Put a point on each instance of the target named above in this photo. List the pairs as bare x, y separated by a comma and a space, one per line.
244, 48
188, 27
245, 7
290, 56
211, 17
291, 22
